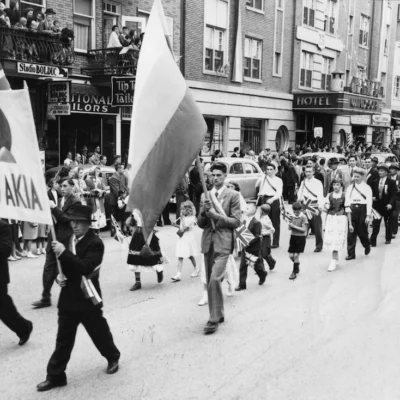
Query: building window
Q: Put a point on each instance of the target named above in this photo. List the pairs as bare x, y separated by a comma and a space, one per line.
250, 135
350, 24
330, 17
308, 12
215, 44
257, 4
279, 4
37, 5
84, 25
111, 14
396, 87
364, 30
326, 75
361, 73
306, 69
387, 37
214, 139
277, 64
252, 58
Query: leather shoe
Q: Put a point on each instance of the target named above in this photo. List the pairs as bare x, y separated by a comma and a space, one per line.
210, 328
160, 276
262, 279
293, 276
41, 303
350, 258
136, 286
25, 338
112, 367
367, 250
239, 288
48, 385
388, 242
317, 250
272, 266
274, 246
393, 236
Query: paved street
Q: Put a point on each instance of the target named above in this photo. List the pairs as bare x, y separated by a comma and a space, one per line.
325, 336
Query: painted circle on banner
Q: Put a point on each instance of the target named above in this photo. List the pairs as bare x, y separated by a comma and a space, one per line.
5, 140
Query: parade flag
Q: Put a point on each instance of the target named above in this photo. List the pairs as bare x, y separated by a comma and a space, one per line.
237, 75
375, 214
167, 128
23, 194
243, 237
310, 208
119, 236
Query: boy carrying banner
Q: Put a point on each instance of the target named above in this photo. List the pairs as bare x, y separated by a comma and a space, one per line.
80, 255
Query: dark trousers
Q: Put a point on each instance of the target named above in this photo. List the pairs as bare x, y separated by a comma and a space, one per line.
165, 215
10, 315
50, 272
266, 250
97, 328
291, 194
376, 226
258, 268
358, 215
215, 264
395, 218
316, 228
275, 215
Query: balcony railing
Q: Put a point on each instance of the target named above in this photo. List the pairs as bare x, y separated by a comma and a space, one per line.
365, 87
110, 62
33, 46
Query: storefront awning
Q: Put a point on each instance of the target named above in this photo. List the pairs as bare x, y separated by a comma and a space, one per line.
337, 103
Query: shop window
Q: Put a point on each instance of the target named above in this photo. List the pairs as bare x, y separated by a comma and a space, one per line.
37, 5
308, 12
214, 139
306, 69
326, 75
330, 17
84, 25
364, 30
257, 4
215, 39
396, 87
251, 135
252, 58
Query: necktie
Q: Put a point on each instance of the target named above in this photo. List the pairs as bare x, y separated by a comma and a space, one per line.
351, 173
216, 195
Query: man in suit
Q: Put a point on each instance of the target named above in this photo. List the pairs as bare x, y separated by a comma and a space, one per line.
8, 313
219, 217
292, 183
118, 189
395, 175
348, 171
252, 253
84, 152
333, 173
236, 152
80, 255
384, 192
372, 175
60, 211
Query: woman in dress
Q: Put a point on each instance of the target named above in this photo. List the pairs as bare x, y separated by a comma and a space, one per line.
186, 246
97, 192
82, 191
29, 234
337, 222
142, 256
41, 237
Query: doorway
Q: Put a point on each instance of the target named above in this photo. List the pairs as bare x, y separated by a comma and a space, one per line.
137, 24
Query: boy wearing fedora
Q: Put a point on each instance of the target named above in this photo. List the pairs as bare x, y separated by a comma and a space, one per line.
80, 255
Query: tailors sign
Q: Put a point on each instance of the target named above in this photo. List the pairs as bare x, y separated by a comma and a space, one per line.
122, 89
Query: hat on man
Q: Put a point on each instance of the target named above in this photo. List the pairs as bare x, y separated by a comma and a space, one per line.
50, 11
333, 160
375, 160
358, 170
28, 9
383, 166
81, 213
84, 148
395, 165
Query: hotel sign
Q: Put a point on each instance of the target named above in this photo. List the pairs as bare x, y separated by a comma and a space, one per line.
42, 70
336, 103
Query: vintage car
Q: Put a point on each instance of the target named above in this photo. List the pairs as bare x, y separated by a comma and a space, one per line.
326, 156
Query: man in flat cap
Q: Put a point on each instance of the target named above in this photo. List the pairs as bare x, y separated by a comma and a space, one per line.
384, 192
359, 204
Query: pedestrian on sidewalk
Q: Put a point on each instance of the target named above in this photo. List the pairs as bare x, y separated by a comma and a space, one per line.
186, 246
29, 235
337, 222
218, 218
142, 256
8, 313
267, 230
43, 231
299, 228
80, 255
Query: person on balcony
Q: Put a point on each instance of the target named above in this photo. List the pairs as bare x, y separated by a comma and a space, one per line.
13, 13
47, 24
36, 21
56, 28
28, 14
122, 36
114, 38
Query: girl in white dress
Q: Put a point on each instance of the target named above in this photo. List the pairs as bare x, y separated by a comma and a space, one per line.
186, 247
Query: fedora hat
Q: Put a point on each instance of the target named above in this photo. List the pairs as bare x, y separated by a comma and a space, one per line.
395, 165
82, 213
375, 159
50, 11
383, 166
333, 160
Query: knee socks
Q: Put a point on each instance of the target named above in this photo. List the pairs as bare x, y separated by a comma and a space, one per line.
296, 268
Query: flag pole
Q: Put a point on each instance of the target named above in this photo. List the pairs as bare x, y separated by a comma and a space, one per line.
60, 272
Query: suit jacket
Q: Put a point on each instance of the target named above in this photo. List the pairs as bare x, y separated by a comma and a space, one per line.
254, 246
6, 244
89, 255
222, 238
388, 195
45, 26
62, 221
51, 196
117, 187
293, 178
329, 177
372, 177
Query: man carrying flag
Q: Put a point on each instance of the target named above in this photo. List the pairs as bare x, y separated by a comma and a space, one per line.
217, 239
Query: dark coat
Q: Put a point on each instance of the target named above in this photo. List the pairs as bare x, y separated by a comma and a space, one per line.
51, 196
372, 177
254, 246
117, 187
6, 243
388, 195
292, 177
89, 255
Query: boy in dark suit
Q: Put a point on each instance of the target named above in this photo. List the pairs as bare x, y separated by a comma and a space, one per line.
80, 255
252, 253
395, 175
384, 191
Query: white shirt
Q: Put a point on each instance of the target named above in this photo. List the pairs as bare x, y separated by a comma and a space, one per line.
267, 190
315, 187
217, 193
354, 197
67, 161
114, 40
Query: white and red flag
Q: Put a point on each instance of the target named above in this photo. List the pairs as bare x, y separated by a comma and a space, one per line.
167, 128
23, 194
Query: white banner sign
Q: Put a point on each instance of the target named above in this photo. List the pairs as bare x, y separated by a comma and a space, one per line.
396, 134
23, 194
41, 69
59, 109
318, 132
